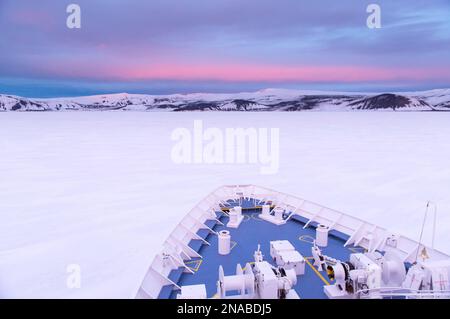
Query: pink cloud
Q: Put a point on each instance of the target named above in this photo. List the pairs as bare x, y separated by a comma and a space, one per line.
245, 72
276, 73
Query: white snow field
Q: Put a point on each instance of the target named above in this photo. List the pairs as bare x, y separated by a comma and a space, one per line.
99, 189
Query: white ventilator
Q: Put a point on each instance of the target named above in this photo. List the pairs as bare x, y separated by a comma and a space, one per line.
322, 235
224, 242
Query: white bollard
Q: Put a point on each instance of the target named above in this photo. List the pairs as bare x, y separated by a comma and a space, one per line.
265, 209
234, 216
322, 235
278, 213
224, 242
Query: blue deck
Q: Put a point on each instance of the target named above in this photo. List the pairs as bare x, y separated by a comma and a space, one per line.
245, 239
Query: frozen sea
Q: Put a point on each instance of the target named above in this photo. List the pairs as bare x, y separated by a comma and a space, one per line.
99, 189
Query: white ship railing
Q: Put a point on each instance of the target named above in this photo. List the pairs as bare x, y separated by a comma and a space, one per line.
176, 250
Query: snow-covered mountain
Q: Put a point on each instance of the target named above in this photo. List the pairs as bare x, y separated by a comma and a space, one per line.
264, 100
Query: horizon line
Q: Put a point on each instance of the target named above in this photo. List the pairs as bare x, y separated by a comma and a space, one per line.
293, 90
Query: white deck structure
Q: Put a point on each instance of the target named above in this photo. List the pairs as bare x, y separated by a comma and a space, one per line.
176, 248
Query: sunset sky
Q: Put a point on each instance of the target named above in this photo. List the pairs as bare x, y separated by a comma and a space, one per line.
181, 46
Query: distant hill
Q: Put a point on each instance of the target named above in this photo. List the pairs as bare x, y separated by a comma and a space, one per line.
264, 100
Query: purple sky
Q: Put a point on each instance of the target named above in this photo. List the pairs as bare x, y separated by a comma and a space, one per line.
221, 45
